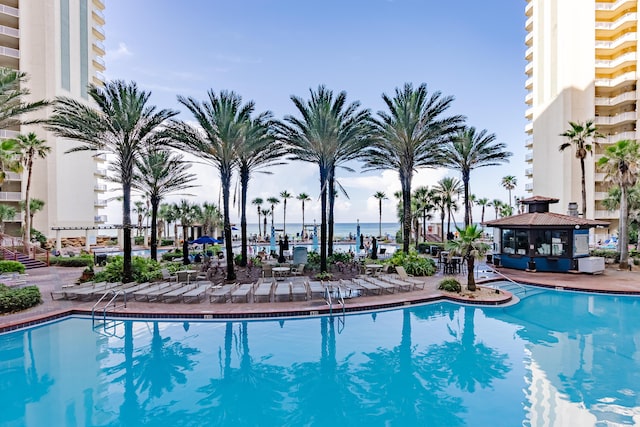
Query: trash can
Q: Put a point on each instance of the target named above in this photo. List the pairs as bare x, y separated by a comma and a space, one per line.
100, 259
434, 250
299, 255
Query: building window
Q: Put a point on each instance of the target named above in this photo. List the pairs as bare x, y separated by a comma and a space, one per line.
65, 59
84, 48
552, 243
515, 241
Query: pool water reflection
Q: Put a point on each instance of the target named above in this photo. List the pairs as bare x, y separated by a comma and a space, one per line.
556, 358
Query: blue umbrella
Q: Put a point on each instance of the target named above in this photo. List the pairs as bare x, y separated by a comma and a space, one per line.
358, 233
315, 238
205, 240
272, 240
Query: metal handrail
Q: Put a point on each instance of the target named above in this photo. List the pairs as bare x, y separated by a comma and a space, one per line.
112, 300
493, 270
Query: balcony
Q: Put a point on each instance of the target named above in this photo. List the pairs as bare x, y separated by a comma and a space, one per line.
100, 77
98, 46
528, 143
628, 18
626, 78
629, 58
528, 69
98, 32
604, 214
528, 9
6, 134
100, 203
528, 172
623, 97
528, 114
528, 84
102, 157
528, 157
11, 11
99, 4
10, 196
18, 217
529, 98
601, 195
100, 219
98, 63
600, 177
100, 172
8, 31
528, 128
98, 16
100, 188
528, 54
7, 51
528, 187
528, 39
614, 6
612, 139
528, 24
625, 38
12, 176
630, 116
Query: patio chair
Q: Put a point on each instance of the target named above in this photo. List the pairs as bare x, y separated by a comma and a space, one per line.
168, 277
297, 271
408, 278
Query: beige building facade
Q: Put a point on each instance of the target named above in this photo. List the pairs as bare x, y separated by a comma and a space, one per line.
582, 64
59, 44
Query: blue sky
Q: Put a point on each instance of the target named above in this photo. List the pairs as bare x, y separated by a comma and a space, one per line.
269, 50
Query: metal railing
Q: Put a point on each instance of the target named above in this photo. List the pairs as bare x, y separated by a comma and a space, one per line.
116, 294
494, 271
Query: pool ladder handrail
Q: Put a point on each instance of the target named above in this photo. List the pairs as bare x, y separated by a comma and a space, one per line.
493, 270
116, 294
329, 300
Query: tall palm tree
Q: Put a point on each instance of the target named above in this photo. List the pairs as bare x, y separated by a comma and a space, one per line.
329, 134
579, 134
470, 149
223, 122
483, 202
142, 211
35, 206
257, 152
211, 218
440, 204
158, 174
265, 215
424, 204
410, 136
449, 189
468, 244
303, 197
7, 213
621, 163
258, 203
273, 201
124, 125
380, 196
285, 195
13, 91
509, 182
29, 148
497, 204
186, 213
9, 158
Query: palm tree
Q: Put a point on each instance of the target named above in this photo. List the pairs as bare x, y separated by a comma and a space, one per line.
257, 151
273, 201
440, 203
469, 245
329, 134
285, 195
123, 124
142, 211
470, 149
186, 213
7, 213
223, 121
30, 148
449, 189
13, 90
620, 162
579, 134
497, 204
509, 182
506, 210
158, 174
410, 136
380, 196
211, 218
424, 204
483, 202
35, 206
303, 197
258, 202
9, 158
265, 215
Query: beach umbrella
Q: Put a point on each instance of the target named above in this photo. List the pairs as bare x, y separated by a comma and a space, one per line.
358, 232
205, 240
315, 238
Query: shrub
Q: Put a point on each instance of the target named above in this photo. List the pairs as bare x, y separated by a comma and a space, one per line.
450, 285
324, 276
170, 256
143, 270
166, 242
11, 267
76, 261
413, 263
12, 300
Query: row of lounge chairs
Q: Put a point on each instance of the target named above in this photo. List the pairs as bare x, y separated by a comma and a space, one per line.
162, 291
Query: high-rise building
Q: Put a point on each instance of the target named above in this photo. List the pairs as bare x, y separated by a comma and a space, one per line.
582, 63
58, 43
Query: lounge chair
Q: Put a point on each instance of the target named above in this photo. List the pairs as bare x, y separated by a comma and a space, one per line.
316, 289
298, 291
369, 288
263, 290
195, 293
242, 291
282, 292
223, 293
400, 284
381, 283
297, 271
143, 294
176, 293
417, 283
158, 294
168, 277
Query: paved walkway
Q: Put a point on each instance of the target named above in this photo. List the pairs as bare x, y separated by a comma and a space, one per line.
53, 278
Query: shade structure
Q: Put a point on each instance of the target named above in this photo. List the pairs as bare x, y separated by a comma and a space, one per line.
205, 240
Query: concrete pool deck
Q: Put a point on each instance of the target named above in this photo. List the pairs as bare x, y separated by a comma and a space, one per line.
49, 279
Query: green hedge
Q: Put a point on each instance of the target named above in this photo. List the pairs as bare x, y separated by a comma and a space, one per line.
143, 270
11, 267
413, 263
76, 261
12, 300
450, 284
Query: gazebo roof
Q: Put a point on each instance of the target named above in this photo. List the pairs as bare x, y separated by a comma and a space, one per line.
538, 199
544, 219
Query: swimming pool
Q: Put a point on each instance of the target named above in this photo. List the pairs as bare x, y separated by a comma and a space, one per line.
557, 358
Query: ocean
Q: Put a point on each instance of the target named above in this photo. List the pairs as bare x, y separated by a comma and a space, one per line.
341, 230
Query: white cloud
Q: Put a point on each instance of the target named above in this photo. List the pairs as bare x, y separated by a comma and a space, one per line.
121, 52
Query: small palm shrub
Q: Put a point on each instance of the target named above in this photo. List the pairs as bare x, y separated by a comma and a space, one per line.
11, 267
450, 285
413, 263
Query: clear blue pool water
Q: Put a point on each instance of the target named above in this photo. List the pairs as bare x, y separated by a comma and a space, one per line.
555, 359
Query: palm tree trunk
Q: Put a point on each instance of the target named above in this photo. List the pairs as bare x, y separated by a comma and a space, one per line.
623, 235
302, 235
584, 190
225, 178
154, 228
471, 280
323, 221
405, 180
284, 217
27, 207
185, 244
244, 184
332, 200
442, 225
467, 208
379, 218
127, 275
259, 224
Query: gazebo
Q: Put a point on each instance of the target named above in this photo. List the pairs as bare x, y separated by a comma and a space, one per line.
541, 240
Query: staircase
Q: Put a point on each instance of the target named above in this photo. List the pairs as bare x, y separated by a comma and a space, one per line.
28, 263
518, 290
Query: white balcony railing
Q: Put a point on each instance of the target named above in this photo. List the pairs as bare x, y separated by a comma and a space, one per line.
528, 84
627, 96
99, 45
10, 196
100, 203
604, 214
528, 171
528, 113
528, 69
528, 39
8, 31
628, 17
627, 57
100, 77
100, 218
601, 195
100, 31
6, 134
528, 157
528, 187
617, 119
613, 6
7, 51
528, 128
612, 139
629, 77
528, 54
12, 176
100, 187
528, 24
528, 9
100, 172
99, 61
529, 98
8, 10
626, 37
528, 143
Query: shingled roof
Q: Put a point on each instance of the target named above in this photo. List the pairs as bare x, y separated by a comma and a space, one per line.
544, 219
